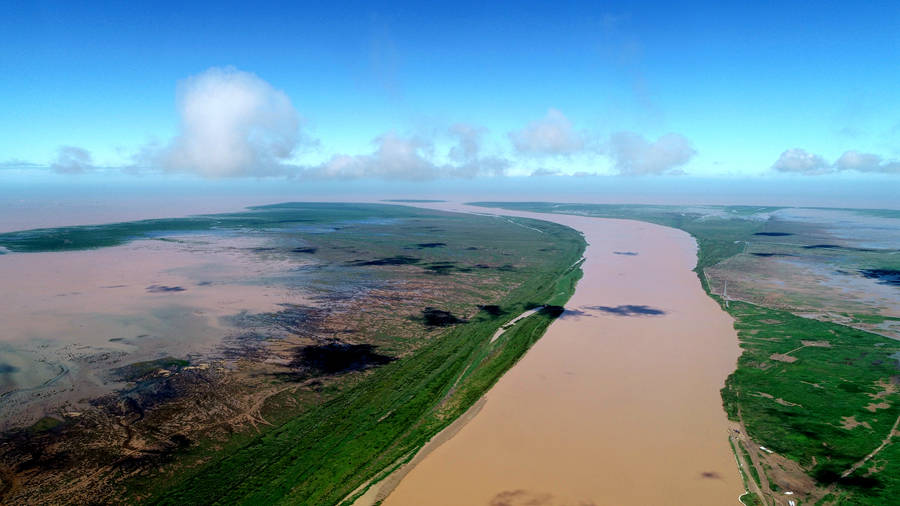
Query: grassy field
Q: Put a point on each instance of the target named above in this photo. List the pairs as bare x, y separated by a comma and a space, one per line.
434, 288
822, 394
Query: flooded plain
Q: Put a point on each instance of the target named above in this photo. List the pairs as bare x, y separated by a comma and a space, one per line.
68, 317
618, 403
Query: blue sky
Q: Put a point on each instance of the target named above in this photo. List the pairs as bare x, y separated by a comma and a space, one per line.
547, 86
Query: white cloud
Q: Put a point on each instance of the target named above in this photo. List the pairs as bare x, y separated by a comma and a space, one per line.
412, 159
72, 160
854, 160
232, 123
632, 154
800, 161
394, 157
551, 135
865, 162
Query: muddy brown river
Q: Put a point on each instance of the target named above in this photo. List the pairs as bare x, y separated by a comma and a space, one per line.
618, 403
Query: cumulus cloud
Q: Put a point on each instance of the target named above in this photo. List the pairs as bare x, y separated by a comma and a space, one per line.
800, 161
854, 160
551, 135
72, 160
395, 157
632, 154
413, 159
865, 162
232, 123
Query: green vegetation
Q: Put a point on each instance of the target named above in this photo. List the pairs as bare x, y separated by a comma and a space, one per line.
325, 453
323, 443
754, 473
824, 386
44, 424
296, 217
799, 381
137, 370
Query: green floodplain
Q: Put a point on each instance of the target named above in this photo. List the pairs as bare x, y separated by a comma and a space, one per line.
820, 393
332, 423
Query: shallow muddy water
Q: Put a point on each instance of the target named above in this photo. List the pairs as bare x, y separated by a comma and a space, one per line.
68, 317
617, 404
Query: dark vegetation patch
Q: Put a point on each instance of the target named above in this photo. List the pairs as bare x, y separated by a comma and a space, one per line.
626, 253
831, 474
628, 310
492, 309
338, 357
501, 268
309, 250
884, 276
292, 318
139, 370
837, 246
439, 318
423, 245
851, 388
164, 289
441, 268
45, 424
552, 311
394, 260
773, 234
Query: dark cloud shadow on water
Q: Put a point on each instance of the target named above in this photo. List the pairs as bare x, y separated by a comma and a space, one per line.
573, 314
628, 310
522, 497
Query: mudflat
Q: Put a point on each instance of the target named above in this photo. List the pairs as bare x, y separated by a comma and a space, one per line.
618, 403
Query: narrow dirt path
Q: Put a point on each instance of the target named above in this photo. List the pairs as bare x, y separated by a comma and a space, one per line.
883, 444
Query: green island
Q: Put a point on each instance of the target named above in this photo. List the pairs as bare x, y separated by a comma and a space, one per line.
815, 398
395, 346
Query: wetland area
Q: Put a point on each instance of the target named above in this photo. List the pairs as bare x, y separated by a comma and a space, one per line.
357, 353
178, 355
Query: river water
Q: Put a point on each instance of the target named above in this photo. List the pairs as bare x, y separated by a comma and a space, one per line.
618, 403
